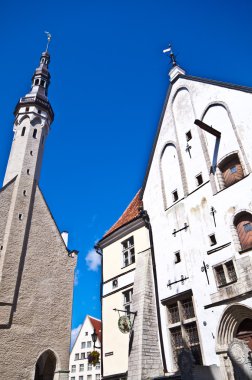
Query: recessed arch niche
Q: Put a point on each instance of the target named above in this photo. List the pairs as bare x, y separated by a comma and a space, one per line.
171, 179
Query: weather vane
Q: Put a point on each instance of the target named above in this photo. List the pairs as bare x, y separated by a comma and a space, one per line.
172, 56
49, 37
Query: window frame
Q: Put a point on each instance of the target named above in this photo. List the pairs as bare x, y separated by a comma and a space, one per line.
228, 278
127, 304
128, 245
180, 323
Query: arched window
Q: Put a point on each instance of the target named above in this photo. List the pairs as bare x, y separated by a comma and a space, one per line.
243, 224
231, 170
34, 135
23, 131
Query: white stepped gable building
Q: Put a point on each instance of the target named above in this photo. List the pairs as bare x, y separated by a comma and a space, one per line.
78, 364
197, 194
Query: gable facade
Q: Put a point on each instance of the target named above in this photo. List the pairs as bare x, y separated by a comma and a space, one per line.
195, 186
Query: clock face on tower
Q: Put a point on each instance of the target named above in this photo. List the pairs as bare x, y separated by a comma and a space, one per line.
124, 324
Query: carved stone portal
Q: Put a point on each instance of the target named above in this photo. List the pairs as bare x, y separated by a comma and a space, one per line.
240, 356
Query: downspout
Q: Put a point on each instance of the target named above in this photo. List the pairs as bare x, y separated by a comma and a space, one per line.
98, 250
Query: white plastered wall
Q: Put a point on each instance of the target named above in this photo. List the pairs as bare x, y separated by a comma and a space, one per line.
189, 100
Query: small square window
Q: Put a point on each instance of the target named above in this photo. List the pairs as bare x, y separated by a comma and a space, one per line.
175, 195
199, 179
247, 227
98, 365
86, 333
115, 283
89, 368
73, 368
80, 377
177, 257
27, 109
83, 355
83, 344
81, 367
212, 239
89, 344
233, 169
225, 273
76, 357
188, 136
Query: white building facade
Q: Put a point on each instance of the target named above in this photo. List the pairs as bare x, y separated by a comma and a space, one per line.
198, 193
128, 292
79, 367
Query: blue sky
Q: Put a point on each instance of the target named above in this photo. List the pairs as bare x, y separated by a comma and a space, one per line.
109, 80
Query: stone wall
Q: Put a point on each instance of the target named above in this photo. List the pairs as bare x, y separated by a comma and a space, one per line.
42, 314
145, 357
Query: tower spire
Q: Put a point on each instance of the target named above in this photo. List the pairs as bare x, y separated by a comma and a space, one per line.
33, 117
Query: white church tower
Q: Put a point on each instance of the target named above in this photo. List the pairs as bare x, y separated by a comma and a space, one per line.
36, 268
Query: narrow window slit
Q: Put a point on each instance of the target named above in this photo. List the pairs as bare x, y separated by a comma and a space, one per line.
188, 135
199, 179
23, 131
177, 257
28, 171
20, 216
34, 135
212, 239
175, 195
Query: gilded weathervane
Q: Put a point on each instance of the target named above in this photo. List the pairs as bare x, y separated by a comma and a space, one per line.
49, 37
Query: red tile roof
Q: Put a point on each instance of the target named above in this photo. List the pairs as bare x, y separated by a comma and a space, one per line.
131, 212
96, 325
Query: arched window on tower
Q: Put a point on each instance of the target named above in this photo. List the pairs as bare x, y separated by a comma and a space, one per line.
23, 131
34, 135
36, 82
231, 170
243, 224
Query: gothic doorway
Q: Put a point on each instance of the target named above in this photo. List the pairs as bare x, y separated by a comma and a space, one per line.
45, 366
234, 343
244, 332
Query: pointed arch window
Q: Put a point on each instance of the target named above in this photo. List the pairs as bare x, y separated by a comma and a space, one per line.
231, 170
243, 224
